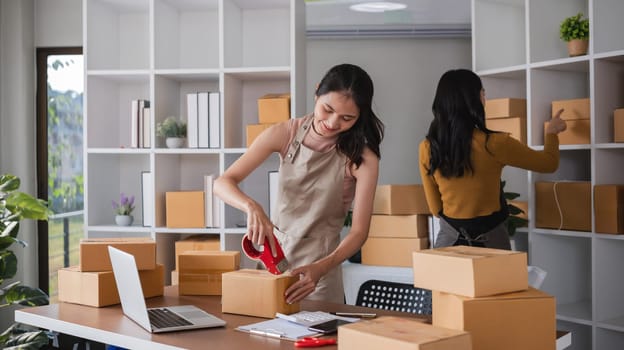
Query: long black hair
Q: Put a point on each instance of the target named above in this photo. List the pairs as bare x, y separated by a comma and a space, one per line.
368, 130
457, 111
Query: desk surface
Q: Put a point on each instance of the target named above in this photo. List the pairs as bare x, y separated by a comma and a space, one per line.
108, 325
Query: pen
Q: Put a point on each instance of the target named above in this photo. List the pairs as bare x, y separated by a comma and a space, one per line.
265, 333
355, 314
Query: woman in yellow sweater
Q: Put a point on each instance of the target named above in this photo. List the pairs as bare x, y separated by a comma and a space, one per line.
461, 163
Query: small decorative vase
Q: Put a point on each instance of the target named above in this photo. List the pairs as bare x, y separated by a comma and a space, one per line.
124, 220
577, 47
174, 142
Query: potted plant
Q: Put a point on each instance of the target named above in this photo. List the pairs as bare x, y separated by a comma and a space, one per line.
173, 130
123, 210
575, 31
15, 206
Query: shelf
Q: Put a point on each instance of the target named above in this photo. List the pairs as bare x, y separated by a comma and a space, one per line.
610, 14
563, 233
134, 228
514, 72
608, 339
576, 312
615, 324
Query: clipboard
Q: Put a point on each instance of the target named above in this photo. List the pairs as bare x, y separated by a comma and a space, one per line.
279, 328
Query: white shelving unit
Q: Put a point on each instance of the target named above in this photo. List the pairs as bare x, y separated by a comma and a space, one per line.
160, 50
518, 53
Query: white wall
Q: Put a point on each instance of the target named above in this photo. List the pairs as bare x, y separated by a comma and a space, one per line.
405, 74
58, 23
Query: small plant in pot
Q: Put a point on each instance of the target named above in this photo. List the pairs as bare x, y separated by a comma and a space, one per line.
575, 31
173, 130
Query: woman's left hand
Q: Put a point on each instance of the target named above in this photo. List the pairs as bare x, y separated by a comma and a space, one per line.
309, 276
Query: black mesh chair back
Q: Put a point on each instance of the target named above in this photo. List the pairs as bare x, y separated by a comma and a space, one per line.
394, 296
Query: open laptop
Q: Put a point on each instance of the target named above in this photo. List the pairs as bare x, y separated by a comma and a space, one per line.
155, 320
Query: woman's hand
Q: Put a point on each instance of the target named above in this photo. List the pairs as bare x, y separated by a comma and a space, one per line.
259, 226
556, 124
309, 276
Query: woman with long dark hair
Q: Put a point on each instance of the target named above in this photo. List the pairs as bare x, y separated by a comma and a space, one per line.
329, 159
461, 162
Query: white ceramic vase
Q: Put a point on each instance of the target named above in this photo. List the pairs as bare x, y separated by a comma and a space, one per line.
174, 142
124, 220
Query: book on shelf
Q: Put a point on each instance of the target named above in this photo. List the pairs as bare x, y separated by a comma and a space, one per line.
202, 119
147, 194
214, 125
147, 127
191, 122
134, 124
208, 182
139, 130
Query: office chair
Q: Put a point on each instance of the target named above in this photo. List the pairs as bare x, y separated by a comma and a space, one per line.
394, 296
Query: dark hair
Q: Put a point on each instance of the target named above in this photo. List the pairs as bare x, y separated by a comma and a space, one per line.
457, 111
368, 130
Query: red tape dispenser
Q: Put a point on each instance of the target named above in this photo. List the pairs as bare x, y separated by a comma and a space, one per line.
276, 265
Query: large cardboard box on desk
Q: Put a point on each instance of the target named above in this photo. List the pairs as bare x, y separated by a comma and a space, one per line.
273, 108
94, 252
185, 209
563, 205
577, 132
199, 272
399, 226
385, 251
515, 126
609, 208
513, 321
99, 288
573, 109
505, 107
400, 200
196, 243
400, 333
471, 271
256, 293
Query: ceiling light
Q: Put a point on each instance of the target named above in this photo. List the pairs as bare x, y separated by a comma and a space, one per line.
379, 6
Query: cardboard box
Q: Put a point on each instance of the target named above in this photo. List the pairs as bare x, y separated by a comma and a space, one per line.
196, 242
185, 209
522, 205
563, 205
200, 271
572, 109
99, 288
471, 271
253, 130
577, 132
400, 200
273, 108
618, 125
391, 251
256, 293
399, 226
514, 321
514, 126
400, 333
609, 208
94, 252
505, 107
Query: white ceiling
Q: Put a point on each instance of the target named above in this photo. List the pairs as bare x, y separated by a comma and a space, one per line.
428, 17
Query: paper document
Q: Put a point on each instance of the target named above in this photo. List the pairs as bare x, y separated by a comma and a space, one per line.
279, 328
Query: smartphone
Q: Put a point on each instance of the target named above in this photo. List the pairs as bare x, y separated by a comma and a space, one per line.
328, 327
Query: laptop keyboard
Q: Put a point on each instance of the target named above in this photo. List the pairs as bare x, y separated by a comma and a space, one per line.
163, 318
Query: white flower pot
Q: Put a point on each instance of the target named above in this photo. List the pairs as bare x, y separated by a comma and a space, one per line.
174, 142
124, 220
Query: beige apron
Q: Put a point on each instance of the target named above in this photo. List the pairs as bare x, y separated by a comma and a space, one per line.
310, 211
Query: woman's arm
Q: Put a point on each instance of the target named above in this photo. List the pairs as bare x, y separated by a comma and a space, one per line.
365, 186
432, 193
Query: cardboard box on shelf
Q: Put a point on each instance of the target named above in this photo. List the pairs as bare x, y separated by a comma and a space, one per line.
99, 288
185, 209
505, 107
196, 242
384, 251
577, 132
573, 109
400, 333
511, 321
199, 272
470, 271
609, 208
618, 125
400, 200
563, 205
273, 108
253, 130
94, 252
399, 226
515, 126
256, 293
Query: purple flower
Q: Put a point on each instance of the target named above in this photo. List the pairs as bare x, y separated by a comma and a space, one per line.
125, 205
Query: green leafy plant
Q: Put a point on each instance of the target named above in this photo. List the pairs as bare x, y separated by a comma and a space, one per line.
171, 127
14, 207
513, 220
575, 27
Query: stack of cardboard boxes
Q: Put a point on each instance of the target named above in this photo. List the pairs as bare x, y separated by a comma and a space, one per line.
485, 292
92, 282
576, 114
272, 109
507, 115
399, 226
